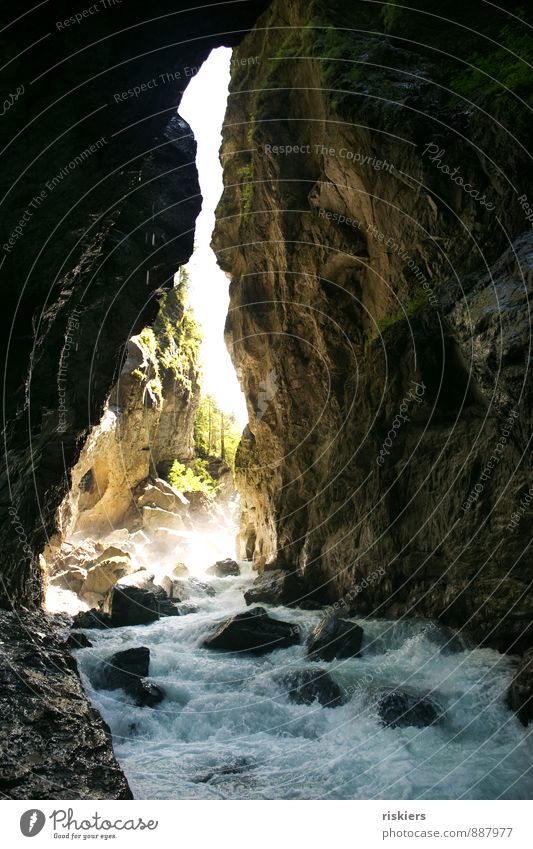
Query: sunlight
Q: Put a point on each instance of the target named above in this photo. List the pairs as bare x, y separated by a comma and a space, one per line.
203, 106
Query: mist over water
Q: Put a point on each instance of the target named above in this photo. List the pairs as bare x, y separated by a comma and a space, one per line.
227, 730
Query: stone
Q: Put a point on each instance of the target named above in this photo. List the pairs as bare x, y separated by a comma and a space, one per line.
112, 551
106, 573
400, 708
155, 496
305, 686
334, 638
275, 587
520, 693
225, 568
71, 579
154, 518
58, 746
92, 619
78, 641
148, 694
123, 669
449, 640
127, 605
175, 589
127, 670
253, 631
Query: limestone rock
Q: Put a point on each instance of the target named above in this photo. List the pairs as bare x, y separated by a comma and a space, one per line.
275, 587
106, 573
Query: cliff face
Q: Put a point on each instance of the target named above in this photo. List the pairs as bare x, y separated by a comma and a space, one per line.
374, 227
148, 423
99, 198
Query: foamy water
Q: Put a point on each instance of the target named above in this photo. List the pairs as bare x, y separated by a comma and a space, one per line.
226, 729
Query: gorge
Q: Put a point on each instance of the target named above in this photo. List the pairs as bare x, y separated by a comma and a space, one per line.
374, 228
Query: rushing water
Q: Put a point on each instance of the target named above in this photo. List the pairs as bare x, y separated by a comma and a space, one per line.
226, 729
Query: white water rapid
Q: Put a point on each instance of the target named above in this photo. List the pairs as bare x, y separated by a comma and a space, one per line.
227, 730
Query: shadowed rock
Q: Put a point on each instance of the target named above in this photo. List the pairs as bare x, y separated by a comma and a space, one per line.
334, 638
399, 708
275, 587
127, 670
305, 686
253, 631
225, 568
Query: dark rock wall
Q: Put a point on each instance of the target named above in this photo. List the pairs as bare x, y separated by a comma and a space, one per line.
379, 316
89, 235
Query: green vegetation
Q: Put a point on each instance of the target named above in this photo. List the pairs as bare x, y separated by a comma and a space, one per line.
216, 433
514, 72
407, 310
193, 478
246, 177
171, 344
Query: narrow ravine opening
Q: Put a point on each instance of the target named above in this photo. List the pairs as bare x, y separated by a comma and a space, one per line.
216, 681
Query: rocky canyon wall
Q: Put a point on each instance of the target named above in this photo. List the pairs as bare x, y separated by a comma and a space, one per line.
99, 199
374, 224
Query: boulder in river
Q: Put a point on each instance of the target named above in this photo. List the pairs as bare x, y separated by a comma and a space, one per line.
127, 605
334, 638
399, 708
225, 568
253, 631
275, 587
305, 686
91, 619
520, 694
180, 570
127, 670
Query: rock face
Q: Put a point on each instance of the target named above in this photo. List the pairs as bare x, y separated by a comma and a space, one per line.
379, 311
54, 745
306, 686
114, 194
334, 638
520, 696
148, 423
253, 631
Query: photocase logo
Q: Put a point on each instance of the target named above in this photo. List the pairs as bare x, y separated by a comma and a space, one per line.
32, 822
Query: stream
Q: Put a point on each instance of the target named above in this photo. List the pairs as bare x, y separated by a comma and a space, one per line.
227, 730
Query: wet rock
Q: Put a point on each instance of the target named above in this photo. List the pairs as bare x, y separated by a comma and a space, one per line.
112, 551
127, 605
200, 587
235, 767
91, 619
399, 708
127, 670
123, 670
167, 607
78, 641
175, 589
520, 694
253, 631
449, 640
57, 745
148, 694
275, 587
225, 568
305, 686
334, 638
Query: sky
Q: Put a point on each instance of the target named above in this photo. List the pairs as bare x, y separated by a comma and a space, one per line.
203, 106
